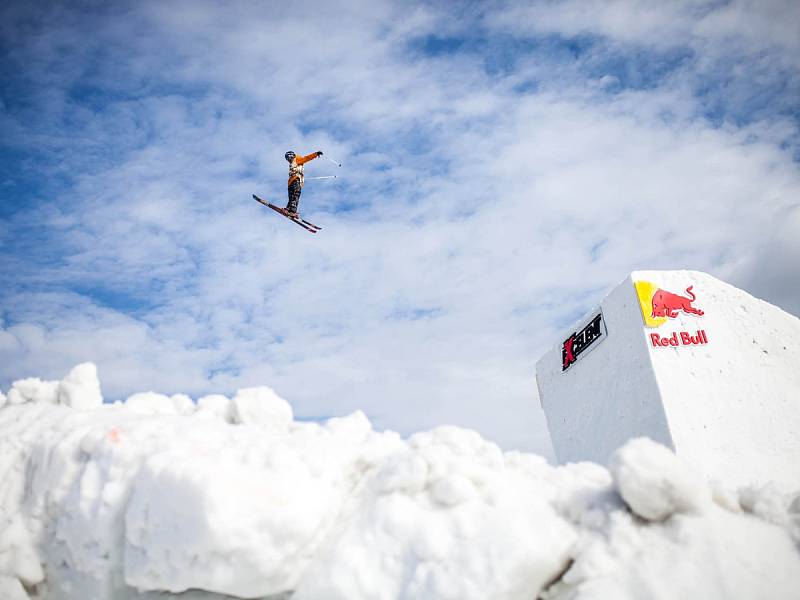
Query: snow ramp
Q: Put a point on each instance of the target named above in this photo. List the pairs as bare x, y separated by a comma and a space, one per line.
688, 361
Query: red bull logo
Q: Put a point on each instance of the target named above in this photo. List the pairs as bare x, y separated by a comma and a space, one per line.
659, 306
667, 304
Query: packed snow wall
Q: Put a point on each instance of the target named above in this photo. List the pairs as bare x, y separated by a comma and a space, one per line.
689, 361
164, 498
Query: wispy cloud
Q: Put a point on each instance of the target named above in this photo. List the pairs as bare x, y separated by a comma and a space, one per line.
501, 171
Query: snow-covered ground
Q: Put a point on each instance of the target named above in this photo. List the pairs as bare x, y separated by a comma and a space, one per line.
233, 498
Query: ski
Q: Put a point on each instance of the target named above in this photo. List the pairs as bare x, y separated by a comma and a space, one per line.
307, 225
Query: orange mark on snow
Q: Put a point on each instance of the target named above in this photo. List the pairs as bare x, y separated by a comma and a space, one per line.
114, 435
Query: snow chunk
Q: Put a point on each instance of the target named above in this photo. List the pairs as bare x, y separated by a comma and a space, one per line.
33, 389
150, 403
18, 557
354, 426
217, 525
716, 555
262, 407
767, 502
724, 496
453, 490
654, 482
11, 589
794, 519
406, 473
232, 511
442, 520
216, 405
183, 404
81, 388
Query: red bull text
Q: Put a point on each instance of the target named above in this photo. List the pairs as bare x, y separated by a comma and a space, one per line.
659, 306
682, 338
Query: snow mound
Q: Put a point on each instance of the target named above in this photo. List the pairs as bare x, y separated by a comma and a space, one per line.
262, 407
161, 497
17, 554
654, 482
215, 405
445, 519
34, 390
81, 388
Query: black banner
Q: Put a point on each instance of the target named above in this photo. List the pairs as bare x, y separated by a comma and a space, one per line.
578, 342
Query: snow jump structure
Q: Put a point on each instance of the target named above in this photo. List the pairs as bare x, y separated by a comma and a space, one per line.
688, 361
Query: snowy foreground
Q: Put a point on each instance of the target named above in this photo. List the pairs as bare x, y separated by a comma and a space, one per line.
232, 498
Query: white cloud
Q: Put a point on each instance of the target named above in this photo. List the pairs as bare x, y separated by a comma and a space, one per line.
705, 24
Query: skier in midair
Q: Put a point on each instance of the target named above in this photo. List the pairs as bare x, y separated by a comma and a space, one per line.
295, 185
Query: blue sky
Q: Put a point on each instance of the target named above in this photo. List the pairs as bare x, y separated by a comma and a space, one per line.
505, 165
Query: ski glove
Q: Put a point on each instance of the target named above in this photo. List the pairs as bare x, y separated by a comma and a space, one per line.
319, 152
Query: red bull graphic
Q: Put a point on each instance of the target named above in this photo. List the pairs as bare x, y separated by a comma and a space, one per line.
667, 304
659, 306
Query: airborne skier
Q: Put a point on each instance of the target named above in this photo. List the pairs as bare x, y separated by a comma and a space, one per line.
295, 188
296, 179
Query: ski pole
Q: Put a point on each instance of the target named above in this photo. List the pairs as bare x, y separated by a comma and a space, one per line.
323, 177
338, 164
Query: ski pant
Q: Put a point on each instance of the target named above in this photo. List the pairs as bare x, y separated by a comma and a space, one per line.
294, 195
